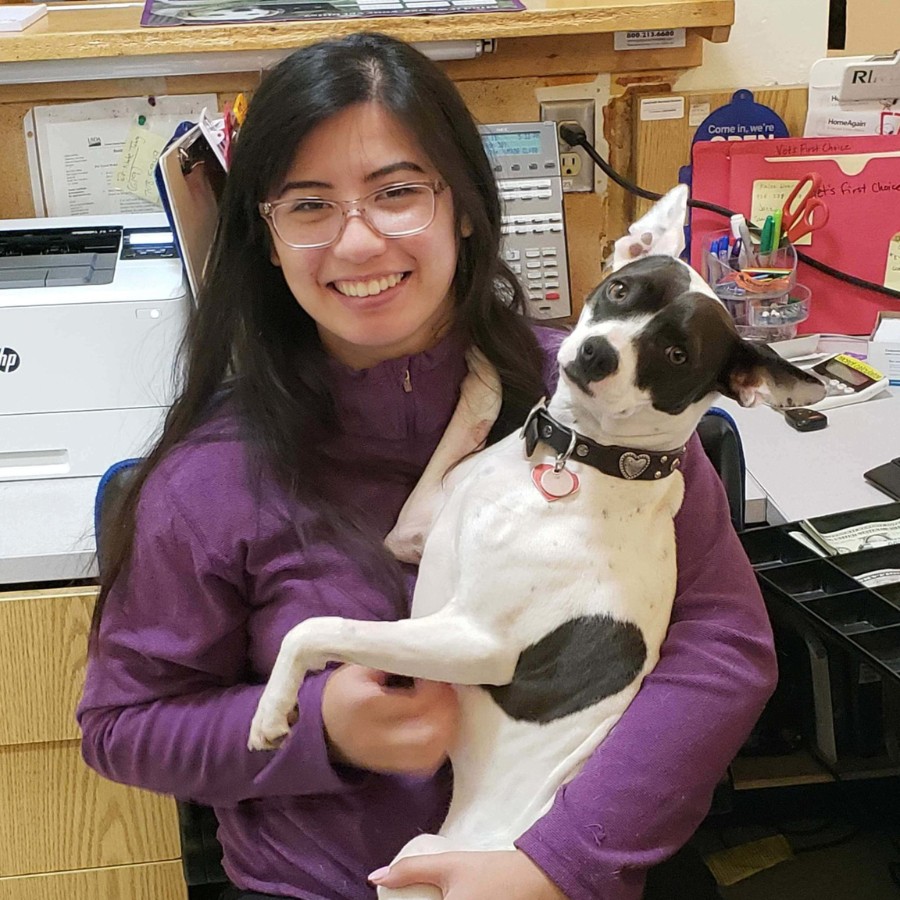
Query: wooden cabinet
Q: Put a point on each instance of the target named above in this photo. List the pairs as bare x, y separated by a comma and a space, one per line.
65, 832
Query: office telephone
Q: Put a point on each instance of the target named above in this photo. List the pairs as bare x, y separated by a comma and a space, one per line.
525, 159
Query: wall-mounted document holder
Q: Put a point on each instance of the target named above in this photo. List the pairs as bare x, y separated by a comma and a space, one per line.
878, 78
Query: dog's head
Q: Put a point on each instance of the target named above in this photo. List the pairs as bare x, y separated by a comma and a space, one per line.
654, 345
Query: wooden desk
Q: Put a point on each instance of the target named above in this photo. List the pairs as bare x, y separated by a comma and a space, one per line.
66, 833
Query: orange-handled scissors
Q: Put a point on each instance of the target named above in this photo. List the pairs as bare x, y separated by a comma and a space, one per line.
803, 212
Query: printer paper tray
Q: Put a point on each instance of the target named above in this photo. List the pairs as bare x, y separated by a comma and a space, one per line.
73, 444
47, 521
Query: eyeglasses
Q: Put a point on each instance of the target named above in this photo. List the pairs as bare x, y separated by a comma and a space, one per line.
397, 210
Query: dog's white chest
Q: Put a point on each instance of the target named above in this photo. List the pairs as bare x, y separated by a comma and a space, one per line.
531, 564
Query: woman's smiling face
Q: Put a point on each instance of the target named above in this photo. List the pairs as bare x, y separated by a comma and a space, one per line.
373, 298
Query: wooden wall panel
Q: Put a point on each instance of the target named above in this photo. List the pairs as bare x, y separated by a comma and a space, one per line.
56, 814
156, 881
660, 148
43, 647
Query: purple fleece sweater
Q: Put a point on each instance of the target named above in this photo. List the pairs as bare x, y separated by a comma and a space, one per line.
217, 578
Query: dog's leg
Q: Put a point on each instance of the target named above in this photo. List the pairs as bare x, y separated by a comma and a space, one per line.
441, 647
476, 411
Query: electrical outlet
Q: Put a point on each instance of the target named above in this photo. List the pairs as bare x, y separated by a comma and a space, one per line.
569, 164
575, 165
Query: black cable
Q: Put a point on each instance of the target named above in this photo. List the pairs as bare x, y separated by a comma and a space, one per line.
574, 135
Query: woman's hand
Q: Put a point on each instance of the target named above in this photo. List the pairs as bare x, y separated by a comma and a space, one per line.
374, 726
473, 875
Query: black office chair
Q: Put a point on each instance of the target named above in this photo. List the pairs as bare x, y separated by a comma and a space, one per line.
201, 853
721, 440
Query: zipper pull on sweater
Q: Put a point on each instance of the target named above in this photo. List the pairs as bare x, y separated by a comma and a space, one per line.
407, 382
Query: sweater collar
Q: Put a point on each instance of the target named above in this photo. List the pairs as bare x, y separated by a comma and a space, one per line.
401, 397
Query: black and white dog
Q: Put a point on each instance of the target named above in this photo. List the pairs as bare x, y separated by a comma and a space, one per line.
548, 568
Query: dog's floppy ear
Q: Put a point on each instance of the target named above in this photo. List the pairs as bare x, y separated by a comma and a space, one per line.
660, 232
756, 374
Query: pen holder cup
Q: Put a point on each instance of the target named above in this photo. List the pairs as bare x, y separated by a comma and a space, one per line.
754, 287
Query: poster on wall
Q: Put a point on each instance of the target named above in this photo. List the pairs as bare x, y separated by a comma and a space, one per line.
205, 12
76, 152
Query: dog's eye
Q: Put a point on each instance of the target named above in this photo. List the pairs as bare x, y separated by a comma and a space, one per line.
676, 356
616, 290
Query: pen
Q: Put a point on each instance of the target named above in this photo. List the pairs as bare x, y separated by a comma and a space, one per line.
722, 250
739, 223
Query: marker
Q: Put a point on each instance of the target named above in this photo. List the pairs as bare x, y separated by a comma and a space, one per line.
765, 239
776, 230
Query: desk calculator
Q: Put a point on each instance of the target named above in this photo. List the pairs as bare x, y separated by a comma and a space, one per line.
847, 380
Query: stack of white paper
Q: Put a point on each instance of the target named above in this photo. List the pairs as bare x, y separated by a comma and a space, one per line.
18, 18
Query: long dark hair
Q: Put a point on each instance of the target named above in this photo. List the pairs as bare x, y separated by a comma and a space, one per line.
250, 341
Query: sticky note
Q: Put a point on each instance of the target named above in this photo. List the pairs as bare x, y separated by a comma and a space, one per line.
892, 272
135, 172
768, 197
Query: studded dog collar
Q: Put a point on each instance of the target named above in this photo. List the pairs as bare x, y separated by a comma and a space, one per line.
621, 462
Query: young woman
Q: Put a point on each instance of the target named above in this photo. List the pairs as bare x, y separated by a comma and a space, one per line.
356, 260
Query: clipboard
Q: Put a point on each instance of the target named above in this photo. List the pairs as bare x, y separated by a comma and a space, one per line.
192, 180
861, 186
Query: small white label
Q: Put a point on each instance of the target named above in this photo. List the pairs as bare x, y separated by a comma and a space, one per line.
650, 40
662, 108
697, 113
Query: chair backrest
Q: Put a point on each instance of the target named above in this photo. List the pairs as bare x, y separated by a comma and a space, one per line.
201, 853
721, 440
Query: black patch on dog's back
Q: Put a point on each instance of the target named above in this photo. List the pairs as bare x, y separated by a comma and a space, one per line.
575, 666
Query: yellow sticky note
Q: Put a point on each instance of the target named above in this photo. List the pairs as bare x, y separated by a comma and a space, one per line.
892, 272
737, 863
768, 197
134, 173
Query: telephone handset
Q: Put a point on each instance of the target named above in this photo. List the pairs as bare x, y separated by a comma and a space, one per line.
525, 158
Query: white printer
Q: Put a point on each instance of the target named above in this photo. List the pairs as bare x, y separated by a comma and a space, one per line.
92, 312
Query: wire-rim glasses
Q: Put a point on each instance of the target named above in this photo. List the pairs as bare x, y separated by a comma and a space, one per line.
393, 211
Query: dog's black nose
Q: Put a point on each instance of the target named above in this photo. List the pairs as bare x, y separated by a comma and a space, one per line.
596, 359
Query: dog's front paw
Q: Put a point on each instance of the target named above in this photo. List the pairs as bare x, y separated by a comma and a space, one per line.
271, 724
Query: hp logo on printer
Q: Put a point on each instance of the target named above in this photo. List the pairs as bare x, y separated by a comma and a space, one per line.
9, 359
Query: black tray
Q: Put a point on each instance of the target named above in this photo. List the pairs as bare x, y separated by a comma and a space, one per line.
824, 590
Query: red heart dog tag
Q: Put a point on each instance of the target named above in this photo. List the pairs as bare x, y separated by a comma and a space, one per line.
554, 485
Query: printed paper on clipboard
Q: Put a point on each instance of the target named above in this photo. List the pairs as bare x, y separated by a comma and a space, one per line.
193, 179
861, 187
